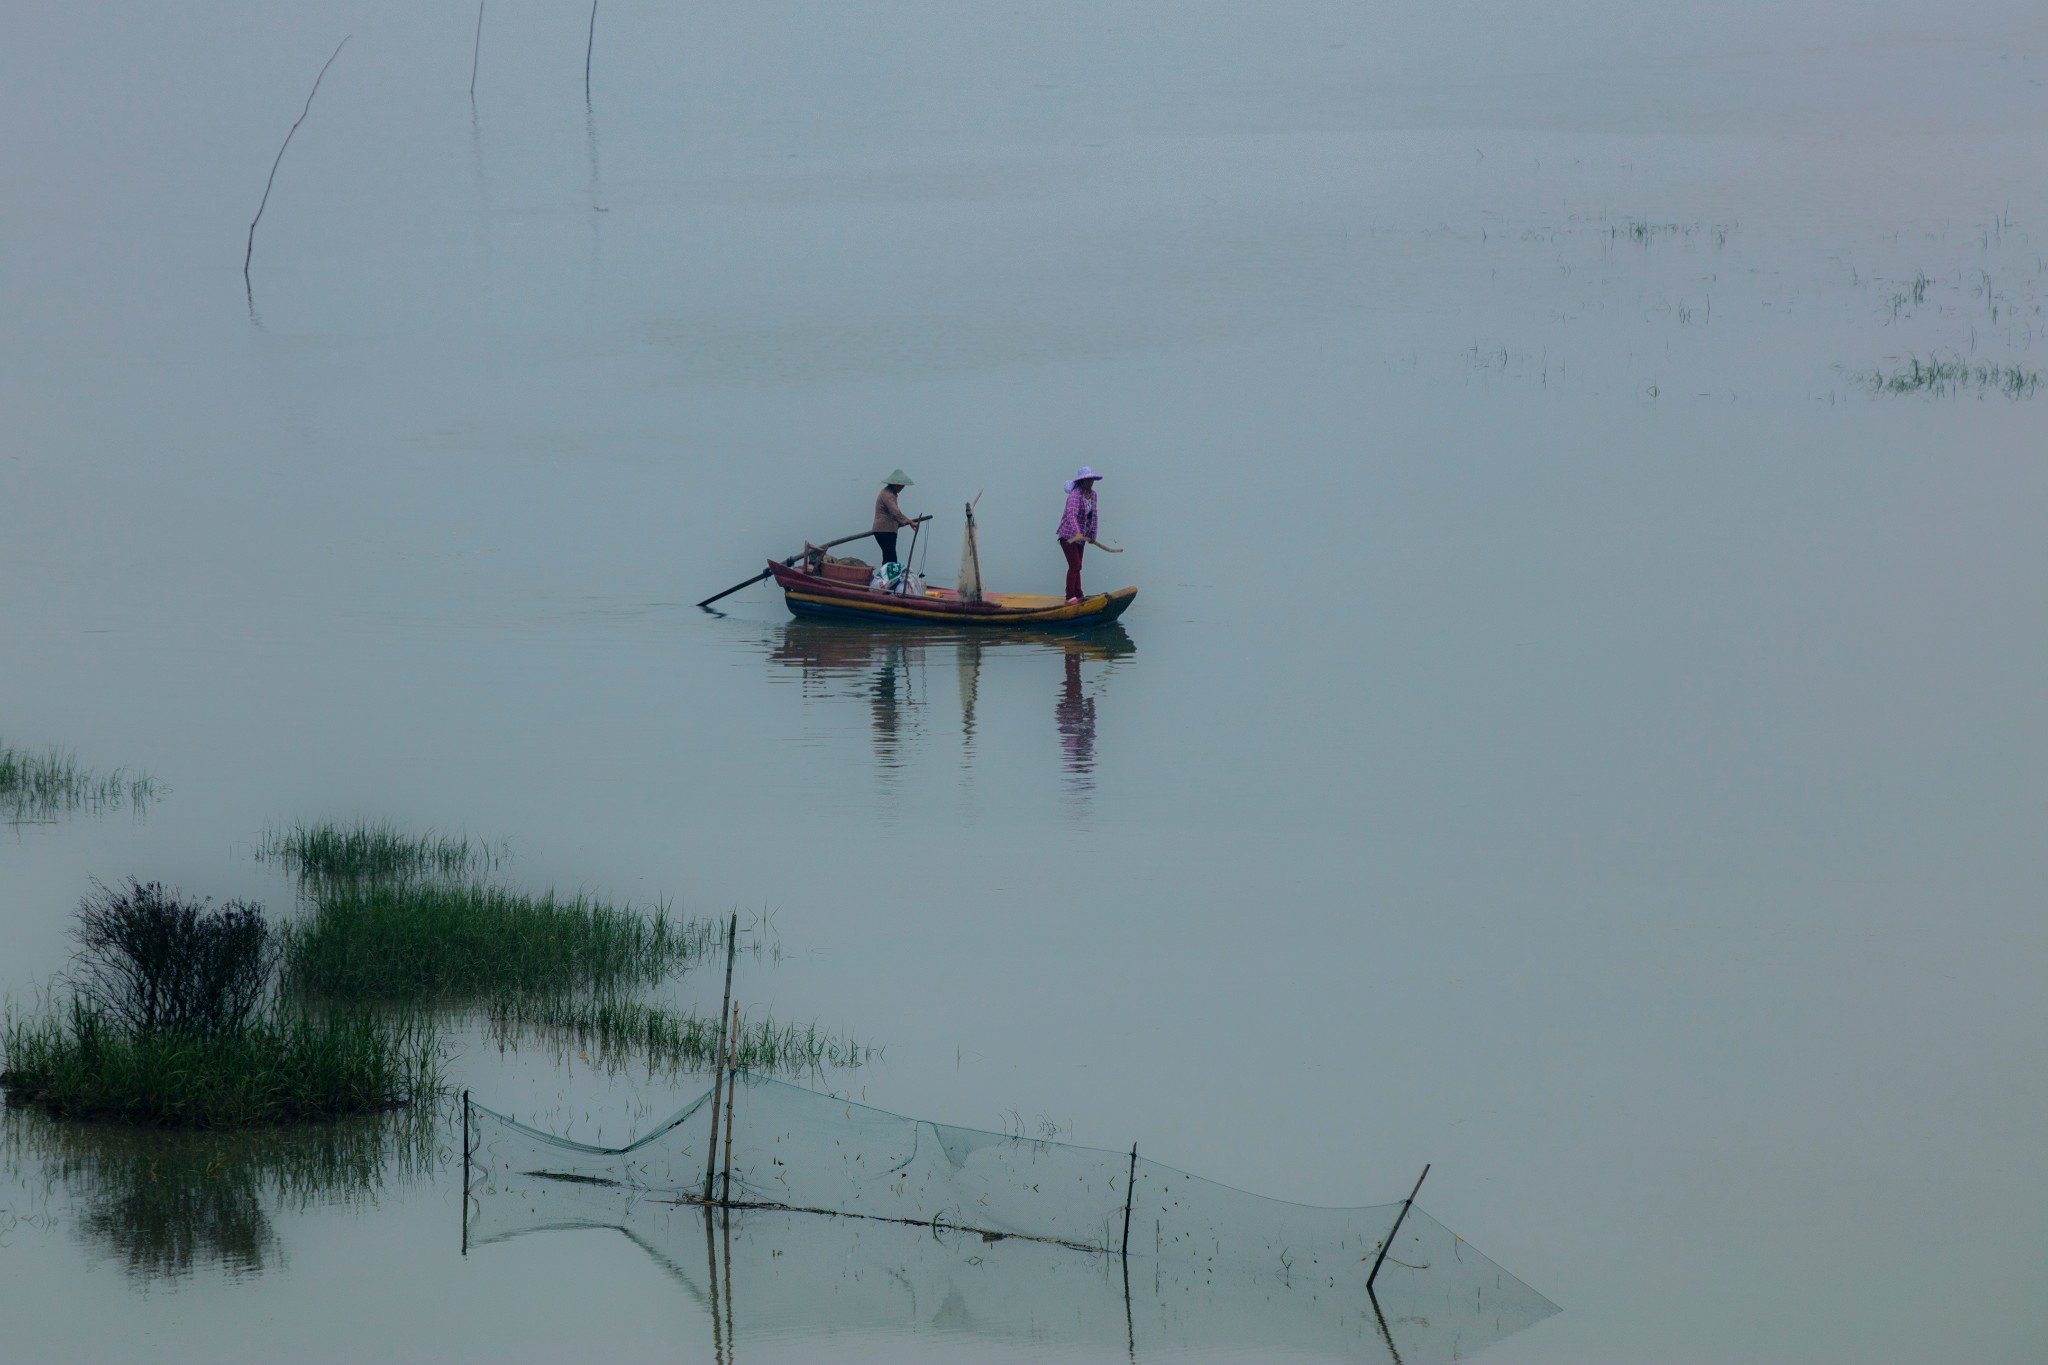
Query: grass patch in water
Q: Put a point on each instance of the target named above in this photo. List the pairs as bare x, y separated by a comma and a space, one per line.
38, 784
1939, 376
366, 851
610, 1032
284, 1066
430, 942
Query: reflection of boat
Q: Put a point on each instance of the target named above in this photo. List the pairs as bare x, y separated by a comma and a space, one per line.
818, 585
828, 650
811, 592
885, 665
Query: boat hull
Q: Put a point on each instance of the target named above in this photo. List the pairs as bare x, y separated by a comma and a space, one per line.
816, 598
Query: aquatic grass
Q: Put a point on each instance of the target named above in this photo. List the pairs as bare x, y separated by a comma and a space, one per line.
38, 784
367, 850
286, 1066
433, 942
1938, 376
1643, 231
613, 1031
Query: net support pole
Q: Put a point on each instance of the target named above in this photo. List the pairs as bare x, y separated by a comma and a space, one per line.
732, 940
1130, 1194
732, 1092
1399, 1219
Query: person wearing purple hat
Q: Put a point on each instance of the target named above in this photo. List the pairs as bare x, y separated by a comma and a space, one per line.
1077, 526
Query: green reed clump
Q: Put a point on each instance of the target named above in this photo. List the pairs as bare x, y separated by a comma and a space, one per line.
285, 1066
375, 851
1938, 376
41, 783
437, 942
613, 1031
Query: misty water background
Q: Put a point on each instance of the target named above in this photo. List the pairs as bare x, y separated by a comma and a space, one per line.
1570, 730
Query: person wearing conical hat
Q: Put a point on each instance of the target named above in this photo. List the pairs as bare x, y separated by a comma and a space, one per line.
889, 518
1077, 526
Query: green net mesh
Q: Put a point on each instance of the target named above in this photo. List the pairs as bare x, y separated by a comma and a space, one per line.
981, 1230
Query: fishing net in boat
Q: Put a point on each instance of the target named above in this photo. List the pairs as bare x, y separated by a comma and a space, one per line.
970, 562
943, 1205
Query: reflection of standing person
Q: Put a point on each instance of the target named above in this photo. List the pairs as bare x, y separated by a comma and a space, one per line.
887, 693
889, 516
1075, 715
1077, 526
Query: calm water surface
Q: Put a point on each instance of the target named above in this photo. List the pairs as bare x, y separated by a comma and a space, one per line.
1569, 732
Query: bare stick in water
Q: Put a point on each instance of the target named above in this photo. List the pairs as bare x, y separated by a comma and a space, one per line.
251, 251
478, 50
588, 44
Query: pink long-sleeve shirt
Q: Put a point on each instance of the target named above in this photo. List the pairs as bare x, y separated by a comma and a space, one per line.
1079, 518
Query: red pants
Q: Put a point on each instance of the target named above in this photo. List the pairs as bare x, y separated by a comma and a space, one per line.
1073, 553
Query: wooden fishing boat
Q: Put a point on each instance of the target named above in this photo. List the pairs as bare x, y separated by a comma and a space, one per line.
818, 587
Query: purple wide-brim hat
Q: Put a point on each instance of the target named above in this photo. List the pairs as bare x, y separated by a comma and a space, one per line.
1084, 472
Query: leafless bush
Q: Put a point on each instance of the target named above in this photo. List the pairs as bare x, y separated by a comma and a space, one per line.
156, 963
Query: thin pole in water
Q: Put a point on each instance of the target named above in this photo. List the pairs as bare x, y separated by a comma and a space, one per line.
465, 1173
1399, 1218
589, 45
732, 1090
711, 1259
477, 51
732, 938
249, 253
1130, 1193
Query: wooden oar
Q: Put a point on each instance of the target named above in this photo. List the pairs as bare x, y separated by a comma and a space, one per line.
748, 583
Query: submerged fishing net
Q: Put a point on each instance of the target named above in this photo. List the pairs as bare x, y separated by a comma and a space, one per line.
991, 1223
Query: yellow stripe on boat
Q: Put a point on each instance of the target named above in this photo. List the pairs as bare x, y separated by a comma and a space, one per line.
1035, 608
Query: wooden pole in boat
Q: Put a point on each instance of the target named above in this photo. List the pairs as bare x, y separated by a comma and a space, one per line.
911, 558
1399, 1218
732, 939
859, 535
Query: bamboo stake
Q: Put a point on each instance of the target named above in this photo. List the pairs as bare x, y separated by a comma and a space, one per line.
732, 939
732, 1090
1130, 1193
477, 51
251, 249
1399, 1218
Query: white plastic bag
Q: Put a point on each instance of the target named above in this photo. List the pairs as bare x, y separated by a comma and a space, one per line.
894, 578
